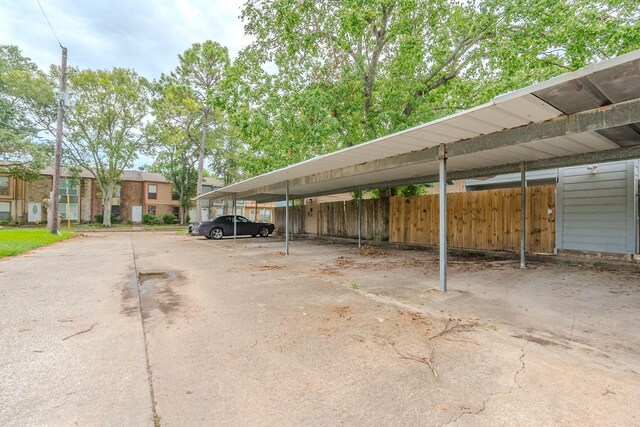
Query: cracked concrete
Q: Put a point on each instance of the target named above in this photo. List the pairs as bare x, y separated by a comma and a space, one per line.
237, 334
492, 395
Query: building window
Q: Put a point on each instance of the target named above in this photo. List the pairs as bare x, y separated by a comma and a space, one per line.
117, 191
219, 212
5, 211
152, 191
4, 186
151, 209
265, 215
68, 193
175, 195
176, 211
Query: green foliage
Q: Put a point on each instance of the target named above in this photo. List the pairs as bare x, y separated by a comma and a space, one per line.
402, 190
174, 136
168, 219
199, 78
151, 219
343, 72
27, 108
100, 218
106, 129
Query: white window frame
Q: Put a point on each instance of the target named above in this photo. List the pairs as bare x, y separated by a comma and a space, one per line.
5, 205
8, 186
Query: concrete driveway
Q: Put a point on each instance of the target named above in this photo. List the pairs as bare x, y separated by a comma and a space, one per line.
239, 334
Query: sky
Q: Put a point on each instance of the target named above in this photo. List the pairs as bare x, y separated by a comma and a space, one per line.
144, 35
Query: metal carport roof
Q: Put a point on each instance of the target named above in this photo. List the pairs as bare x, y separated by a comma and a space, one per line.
586, 116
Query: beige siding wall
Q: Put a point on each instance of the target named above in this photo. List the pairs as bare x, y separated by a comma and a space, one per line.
162, 202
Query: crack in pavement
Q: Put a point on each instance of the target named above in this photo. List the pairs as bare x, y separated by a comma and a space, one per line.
497, 393
156, 418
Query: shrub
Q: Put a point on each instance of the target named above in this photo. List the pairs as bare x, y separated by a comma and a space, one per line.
150, 219
168, 218
100, 217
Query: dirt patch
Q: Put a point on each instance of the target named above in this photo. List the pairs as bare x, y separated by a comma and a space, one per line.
150, 275
266, 267
342, 312
345, 262
368, 251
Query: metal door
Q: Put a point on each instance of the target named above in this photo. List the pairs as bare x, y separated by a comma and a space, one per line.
136, 213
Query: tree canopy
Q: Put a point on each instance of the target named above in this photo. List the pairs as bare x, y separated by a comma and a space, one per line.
105, 130
27, 111
323, 74
319, 75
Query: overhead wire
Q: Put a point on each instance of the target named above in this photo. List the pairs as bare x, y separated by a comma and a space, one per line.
49, 22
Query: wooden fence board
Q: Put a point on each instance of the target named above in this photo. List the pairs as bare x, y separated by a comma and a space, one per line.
486, 220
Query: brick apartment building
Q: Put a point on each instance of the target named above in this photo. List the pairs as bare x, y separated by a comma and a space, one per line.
137, 193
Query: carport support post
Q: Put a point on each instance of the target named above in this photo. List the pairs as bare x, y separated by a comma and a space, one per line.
235, 223
442, 157
523, 213
286, 220
359, 217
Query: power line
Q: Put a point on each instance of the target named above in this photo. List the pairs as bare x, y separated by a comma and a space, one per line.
49, 22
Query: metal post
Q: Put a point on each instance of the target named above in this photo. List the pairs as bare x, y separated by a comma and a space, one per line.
286, 221
523, 213
442, 156
359, 217
55, 191
235, 223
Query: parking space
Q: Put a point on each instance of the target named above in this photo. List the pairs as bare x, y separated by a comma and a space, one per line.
238, 333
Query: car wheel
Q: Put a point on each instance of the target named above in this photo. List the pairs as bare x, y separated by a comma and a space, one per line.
216, 233
264, 232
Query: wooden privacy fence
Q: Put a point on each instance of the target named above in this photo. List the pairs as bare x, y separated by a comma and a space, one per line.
296, 219
487, 220
340, 219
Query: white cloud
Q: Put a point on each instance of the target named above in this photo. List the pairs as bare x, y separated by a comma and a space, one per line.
145, 35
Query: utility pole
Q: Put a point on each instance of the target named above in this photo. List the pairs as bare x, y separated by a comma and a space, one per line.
55, 192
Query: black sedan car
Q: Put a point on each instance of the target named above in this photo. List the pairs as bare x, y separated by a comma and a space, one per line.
223, 226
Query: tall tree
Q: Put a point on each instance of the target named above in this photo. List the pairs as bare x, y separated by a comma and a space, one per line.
106, 129
175, 139
27, 112
344, 71
201, 69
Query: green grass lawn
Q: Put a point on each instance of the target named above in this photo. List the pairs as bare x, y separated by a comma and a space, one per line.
14, 241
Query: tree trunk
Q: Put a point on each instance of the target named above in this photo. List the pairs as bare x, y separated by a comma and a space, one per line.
107, 196
203, 142
181, 216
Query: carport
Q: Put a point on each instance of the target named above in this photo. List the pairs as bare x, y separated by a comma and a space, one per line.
587, 116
